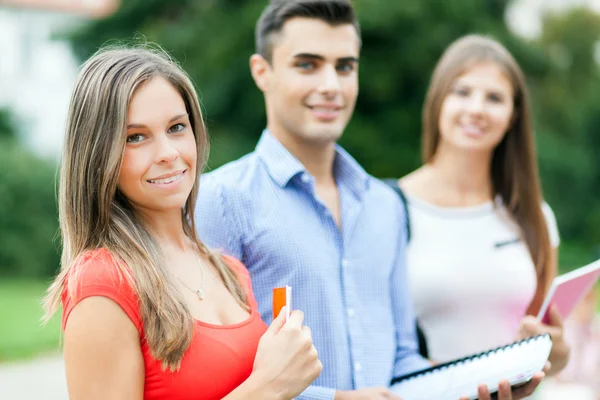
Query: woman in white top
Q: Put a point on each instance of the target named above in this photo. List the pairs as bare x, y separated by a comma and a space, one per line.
483, 246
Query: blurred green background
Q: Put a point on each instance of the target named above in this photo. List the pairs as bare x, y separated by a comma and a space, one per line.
402, 41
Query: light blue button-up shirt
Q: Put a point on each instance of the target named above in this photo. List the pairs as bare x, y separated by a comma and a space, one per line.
351, 282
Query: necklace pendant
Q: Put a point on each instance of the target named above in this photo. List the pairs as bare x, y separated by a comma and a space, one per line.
200, 294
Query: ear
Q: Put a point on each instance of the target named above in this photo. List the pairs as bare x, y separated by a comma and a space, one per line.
260, 69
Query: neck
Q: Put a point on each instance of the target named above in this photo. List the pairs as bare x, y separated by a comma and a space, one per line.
317, 157
167, 229
467, 174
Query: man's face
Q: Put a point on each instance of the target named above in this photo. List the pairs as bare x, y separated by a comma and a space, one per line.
311, 83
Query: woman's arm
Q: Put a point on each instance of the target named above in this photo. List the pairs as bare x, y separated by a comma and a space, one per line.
103, 357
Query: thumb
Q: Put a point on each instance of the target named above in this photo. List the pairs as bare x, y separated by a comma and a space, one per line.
277, 323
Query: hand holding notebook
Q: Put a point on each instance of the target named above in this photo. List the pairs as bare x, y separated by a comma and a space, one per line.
565, 293
517, 362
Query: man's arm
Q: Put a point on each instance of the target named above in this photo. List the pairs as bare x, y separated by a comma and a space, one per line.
408, 358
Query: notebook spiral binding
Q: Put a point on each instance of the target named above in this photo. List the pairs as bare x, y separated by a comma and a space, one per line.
433, 369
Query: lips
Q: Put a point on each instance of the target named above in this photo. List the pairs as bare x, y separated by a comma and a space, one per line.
325, 112
472, 130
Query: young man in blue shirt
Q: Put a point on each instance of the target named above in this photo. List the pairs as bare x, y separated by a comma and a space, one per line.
300, 211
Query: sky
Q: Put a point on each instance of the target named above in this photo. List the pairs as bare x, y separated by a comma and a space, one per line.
37, 73
525, 16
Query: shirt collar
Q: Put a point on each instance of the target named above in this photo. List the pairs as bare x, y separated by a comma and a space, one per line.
280, 163
282, 166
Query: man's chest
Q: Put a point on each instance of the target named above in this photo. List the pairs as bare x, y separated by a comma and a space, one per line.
298, 240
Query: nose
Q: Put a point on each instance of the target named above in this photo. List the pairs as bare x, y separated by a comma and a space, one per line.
330, 81
476, 103
166, 151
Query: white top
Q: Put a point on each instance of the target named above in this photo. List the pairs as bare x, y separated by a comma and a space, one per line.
471, 275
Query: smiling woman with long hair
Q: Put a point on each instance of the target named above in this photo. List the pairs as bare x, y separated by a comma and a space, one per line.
483, 249
148, 311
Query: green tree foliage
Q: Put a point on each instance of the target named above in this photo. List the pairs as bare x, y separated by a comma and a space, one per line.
6, 126
401, 43
568, 115
28, 219
402, 40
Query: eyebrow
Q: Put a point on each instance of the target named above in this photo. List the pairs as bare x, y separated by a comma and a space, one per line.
491, 90
321, 58
175, 118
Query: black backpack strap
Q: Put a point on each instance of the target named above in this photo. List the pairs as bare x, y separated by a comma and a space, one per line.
393, 183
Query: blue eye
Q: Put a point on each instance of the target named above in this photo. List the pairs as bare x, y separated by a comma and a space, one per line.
177, 128
135, 138
346, 67
306, 65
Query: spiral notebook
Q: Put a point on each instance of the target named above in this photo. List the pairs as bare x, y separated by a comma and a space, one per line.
516, 362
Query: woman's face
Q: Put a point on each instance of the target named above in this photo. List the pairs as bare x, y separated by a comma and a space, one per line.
159, 164
478, 109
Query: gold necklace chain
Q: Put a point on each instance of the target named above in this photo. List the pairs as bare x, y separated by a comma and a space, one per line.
200, 291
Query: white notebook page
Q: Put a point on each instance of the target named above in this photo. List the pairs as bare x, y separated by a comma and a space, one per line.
517, 362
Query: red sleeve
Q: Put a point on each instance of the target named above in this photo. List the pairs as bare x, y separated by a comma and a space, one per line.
244, 277
96, 273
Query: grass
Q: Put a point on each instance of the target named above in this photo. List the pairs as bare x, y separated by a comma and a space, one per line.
21, 333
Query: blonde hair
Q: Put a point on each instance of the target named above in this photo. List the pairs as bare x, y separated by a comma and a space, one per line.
514, 171
94, 214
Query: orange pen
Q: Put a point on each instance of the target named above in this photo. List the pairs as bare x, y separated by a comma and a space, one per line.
282, 296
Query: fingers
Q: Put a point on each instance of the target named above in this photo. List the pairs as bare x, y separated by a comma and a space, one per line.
547, 367
391, 395
307, 331
504, 390
277, 324
530, 326
295, 320
529, 388
483, 393
387, 394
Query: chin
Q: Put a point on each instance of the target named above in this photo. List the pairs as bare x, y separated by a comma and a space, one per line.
324, 134
476, 147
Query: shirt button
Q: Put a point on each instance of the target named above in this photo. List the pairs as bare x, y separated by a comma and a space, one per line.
350, 312
305, 178
344, 263
357, 367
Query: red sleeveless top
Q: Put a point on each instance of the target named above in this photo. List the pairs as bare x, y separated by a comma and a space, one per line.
219, 358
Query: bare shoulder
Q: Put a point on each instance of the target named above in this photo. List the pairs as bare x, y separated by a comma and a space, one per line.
102, 351
415, 182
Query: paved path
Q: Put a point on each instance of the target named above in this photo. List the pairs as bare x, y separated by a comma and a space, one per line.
42, 378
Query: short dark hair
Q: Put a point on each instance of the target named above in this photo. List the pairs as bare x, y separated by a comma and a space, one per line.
275, 15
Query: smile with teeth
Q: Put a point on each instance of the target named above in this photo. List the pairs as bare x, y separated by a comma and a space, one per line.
472, 129
324, 109
165, 181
